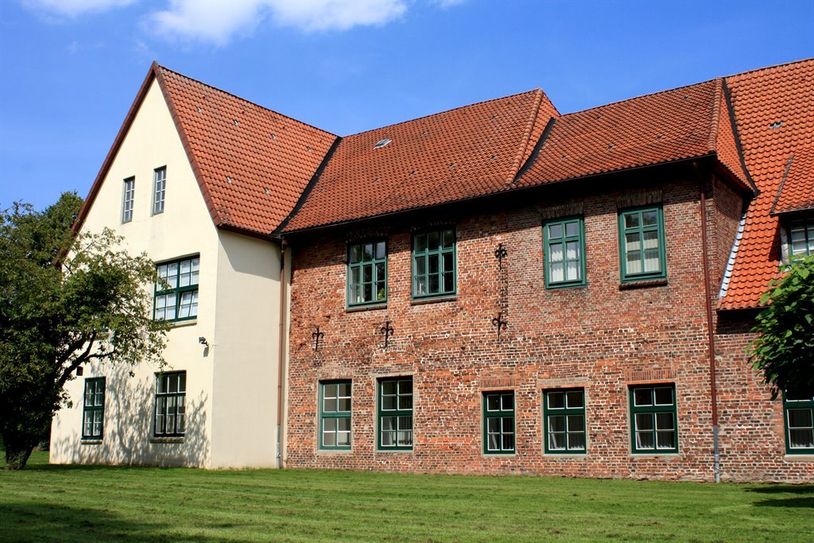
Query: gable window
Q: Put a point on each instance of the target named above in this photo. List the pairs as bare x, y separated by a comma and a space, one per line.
176, 299
170, 399
367, 273
801, 239
653, 422
798, 411
498, 422
641, 244
434, 263
564, 253
159, 189
93, 412
564, 421
128, 195
396, 413
334, 414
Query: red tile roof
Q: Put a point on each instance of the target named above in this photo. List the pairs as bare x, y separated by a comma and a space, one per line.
796, 192
774, 113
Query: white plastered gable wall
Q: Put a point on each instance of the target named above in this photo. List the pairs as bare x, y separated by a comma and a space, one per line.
231, 385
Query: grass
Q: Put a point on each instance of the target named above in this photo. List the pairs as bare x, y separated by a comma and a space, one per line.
66, 504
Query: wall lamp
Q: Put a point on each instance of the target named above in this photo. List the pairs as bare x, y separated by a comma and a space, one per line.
202, 341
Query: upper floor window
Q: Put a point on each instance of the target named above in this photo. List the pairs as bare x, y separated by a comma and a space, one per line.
641, 236
798, 411
159, 189
564, 253
170, 404
801, 239
177, 298
93, 412
128, 195
434, 263
654, 427
367, 273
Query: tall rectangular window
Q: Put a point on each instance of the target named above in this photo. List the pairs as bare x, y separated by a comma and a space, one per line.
498, 422
367, 273
334, 414
159, 189
396, 413
177, 299
128, 195
434, 263
93, 412
798, 411
641, 243
654, 427
170, 399
564, 421
801, 239
564, 253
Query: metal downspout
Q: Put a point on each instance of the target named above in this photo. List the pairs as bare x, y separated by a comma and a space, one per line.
281, 352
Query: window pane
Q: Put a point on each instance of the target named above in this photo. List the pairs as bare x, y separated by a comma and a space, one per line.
343, 389
421, 265
801, 439
555, 231
572, 250
644, 421
650, 217
329, 405
493, 425
556, 423
574, 398
652, 262
666, 439
557, 441
355, 253
344, 404
644, 440
576, 441
507, 425
433, 240
329, 439
449, 238
507, 402
575, 423
388, 423
664, 396
405, 402
380, 250
555, 252
367, 251
389, 403
632, 220
508, 442
449, 282
182, 382
572, 271
643, 396
800, 418
388, 387
556, 400
420, 243
664, 421
343, 439
492, 402
572, 229
557, 272
493, 442
343, 424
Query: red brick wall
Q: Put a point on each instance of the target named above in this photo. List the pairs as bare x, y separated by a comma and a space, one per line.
599, 337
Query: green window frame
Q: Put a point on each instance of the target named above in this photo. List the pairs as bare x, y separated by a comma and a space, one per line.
564, 421
176, 293
434, 266
335, 415
93, 410
801, 239
564, 248
498, 423
642, 244
170, 404
798, 418
128, 198
367, 273
653, 419
159, 189
395, 414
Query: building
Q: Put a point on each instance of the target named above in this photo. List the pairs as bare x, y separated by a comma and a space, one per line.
499, 288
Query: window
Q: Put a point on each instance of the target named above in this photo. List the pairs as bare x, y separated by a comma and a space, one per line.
170, 395
434, 263
367, 273
564, 421
564, 253
334, 414
498, 422
159, 189
127, 199
653, 419
641, 241
799, 417
396, 413
801, 239
93, 413
177, 299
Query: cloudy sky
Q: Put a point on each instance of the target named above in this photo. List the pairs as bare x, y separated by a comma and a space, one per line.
72, 67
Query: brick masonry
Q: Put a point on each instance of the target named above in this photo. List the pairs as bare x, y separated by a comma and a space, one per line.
600, 337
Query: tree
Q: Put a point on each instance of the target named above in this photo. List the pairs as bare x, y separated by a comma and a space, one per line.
784, 347
65, 301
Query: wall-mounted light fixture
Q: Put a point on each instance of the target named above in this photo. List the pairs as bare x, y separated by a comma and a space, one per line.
202, 341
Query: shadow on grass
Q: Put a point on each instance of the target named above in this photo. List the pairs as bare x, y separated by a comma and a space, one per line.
805, 503
783, 489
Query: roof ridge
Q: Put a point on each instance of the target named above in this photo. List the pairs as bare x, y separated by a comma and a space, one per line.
714, 128
233, 95
773, 67
526, 139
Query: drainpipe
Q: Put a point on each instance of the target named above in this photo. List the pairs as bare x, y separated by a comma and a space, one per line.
281, 352
716, 456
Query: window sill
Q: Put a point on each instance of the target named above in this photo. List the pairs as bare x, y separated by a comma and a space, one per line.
331, 452
499, 454
799, 457
655, 455
368, 307
434, 299
179, 439
397, 451
181, 324
575, 456
91, 441
644, 283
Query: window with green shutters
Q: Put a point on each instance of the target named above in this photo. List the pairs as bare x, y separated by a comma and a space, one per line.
396, 413
801, 239
176, 299
654, 425
564, 253
434, 263
641, 244
93, 413
798, 413
564, 421
334, 415
170, 404
367, 273
498, 422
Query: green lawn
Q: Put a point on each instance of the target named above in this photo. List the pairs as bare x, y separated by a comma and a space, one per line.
94, 504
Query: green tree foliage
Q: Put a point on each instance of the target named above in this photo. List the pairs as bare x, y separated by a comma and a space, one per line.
65, 301
784, 348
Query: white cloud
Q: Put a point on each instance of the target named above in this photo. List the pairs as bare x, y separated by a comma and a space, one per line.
448, 3
218, 20
72, 8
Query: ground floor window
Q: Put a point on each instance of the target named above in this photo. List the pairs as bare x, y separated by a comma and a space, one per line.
334, 414
798, 411
654, 427
170, 400
564, 421
396, 413
498, 422
93, 413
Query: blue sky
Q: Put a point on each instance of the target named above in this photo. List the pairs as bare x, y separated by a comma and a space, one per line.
72, 67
